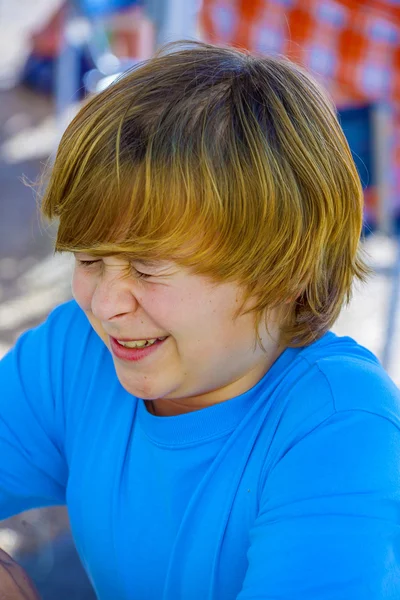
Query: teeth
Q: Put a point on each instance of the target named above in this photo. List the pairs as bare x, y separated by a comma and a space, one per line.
140, 343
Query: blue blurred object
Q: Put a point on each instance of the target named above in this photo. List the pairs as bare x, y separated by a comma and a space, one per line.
358, 126
39, 74
356, 123
98, 8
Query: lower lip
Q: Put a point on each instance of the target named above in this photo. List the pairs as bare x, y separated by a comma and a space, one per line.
133, 354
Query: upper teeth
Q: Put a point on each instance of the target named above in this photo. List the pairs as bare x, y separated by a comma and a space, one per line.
139, 343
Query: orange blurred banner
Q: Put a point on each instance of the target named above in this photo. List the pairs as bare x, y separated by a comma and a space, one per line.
351, 46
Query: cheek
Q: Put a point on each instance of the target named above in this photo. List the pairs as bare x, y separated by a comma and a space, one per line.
162, 307
82, 290
171, 310
194, 314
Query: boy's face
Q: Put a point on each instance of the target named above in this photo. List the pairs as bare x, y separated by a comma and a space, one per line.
207, 357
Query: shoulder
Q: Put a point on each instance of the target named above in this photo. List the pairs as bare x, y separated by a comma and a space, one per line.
62, 353
68, 317
334, 380
63, 338
338, 418
67, 328
353, 378
71, 340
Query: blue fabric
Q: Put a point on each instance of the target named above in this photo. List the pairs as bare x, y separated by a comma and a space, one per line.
289, 491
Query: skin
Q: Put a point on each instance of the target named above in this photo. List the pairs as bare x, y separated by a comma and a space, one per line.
208, 357
14, 581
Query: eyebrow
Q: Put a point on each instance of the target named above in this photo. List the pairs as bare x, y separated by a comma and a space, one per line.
146, 262
153, 263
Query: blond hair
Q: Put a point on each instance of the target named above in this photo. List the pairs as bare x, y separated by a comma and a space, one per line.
231, 164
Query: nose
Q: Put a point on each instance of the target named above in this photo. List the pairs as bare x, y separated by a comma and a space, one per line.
113, 297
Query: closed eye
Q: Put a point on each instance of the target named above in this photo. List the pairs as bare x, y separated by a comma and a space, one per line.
88, 263
141, 275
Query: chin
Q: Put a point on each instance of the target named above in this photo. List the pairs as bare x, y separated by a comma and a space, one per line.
140, 391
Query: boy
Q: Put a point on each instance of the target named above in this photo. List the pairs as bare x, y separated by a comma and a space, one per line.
211, 437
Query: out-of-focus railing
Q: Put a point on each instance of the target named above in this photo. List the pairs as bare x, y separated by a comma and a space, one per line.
143, 25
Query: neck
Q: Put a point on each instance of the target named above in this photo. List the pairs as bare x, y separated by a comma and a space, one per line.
171, 407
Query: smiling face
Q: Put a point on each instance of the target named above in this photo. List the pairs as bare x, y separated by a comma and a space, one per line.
208, 357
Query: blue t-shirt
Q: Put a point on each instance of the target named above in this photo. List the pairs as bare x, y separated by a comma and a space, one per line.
290, 491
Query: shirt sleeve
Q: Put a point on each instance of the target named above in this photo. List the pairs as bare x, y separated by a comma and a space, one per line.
328, 526
33, 471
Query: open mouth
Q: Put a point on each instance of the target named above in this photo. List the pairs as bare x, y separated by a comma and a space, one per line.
141, 343
133, 354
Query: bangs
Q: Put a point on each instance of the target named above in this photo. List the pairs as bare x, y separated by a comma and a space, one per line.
147, 212
172, 187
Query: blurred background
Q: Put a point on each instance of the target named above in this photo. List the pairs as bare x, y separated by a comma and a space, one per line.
54, 53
